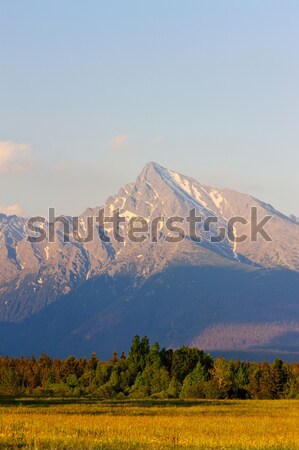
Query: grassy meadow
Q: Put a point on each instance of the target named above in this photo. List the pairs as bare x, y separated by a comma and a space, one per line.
154, 424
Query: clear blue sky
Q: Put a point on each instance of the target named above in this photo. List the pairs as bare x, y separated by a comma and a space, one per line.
92, 90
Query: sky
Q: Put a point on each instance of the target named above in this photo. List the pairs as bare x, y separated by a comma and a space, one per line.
92, 90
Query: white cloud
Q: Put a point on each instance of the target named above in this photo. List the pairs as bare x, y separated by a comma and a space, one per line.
15, 158
119, 141
12, 210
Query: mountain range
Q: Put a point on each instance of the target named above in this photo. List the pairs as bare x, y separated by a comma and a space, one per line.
227, 297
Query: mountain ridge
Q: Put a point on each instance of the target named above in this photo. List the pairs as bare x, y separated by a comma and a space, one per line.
34, 277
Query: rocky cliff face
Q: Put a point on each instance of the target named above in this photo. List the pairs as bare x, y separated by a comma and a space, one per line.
33, 275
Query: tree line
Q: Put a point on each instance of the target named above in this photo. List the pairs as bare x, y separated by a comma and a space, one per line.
149, 371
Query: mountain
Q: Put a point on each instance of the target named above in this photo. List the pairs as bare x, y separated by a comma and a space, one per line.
294, 218
78, 297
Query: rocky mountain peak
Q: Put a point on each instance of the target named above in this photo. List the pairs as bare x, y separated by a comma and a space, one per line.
35, 274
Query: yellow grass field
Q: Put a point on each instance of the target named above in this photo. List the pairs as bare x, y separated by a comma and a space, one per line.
49, 424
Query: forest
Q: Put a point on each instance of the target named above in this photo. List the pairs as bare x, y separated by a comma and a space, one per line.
148, 371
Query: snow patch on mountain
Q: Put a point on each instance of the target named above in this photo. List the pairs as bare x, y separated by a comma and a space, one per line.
217, 199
